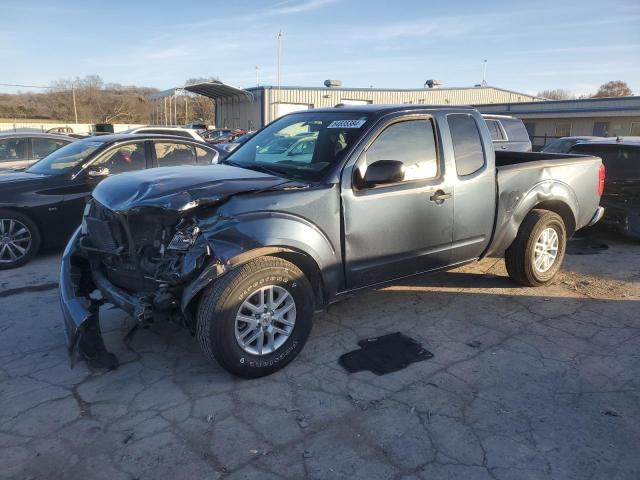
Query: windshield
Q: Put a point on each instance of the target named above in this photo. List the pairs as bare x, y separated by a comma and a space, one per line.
302, 145
66, 158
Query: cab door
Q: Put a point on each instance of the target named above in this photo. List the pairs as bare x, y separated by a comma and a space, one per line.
404, 228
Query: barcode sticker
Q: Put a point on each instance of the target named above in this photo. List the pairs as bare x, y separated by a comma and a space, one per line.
347, 123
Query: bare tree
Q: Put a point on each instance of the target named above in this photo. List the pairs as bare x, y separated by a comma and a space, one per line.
615, 88
557, 94
95, 102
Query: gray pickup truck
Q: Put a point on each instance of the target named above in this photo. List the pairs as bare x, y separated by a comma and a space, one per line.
316, 205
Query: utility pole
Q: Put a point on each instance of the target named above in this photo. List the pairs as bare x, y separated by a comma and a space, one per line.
484, 73
279, 37
257, 75
73, 93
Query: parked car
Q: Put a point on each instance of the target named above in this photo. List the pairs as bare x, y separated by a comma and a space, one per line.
621, 199
229, 137
20, 150
61, 130
225, 149
244, 252
214, 134
508, 133
198, 126
175, 131
564, 144
44, 204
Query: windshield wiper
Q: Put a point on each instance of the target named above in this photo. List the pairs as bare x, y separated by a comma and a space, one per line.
260, 168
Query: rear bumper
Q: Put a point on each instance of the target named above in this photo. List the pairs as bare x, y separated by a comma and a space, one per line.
596, 216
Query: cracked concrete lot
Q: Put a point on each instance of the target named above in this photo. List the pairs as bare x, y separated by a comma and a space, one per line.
525, 384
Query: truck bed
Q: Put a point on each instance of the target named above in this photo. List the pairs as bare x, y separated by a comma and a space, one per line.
526, 180
505, 158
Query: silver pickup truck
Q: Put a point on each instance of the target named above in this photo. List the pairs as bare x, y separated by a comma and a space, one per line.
316, 205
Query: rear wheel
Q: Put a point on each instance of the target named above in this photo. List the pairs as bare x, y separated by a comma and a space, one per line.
535, 256
256, 319
19, 239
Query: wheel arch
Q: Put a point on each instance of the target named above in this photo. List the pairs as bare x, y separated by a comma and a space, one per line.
514, 207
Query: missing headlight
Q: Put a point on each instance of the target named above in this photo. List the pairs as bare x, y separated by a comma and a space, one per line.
184, 237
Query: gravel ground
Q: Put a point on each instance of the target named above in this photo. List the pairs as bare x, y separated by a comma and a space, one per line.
524, 384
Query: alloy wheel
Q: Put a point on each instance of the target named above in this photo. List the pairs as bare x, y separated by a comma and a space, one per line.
265, 320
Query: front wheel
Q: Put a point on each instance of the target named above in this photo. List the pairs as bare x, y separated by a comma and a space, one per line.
535, 256
257, 318
19, 239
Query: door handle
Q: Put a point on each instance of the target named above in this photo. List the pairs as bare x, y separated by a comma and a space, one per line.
439, 196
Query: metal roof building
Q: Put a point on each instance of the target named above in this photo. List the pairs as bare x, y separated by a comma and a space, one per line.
547, 120
269, 103
252, 108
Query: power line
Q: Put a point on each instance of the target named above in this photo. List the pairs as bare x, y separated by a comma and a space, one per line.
18, 85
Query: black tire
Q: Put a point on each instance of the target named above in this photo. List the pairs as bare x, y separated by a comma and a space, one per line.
31, 247
520, 256
220, 303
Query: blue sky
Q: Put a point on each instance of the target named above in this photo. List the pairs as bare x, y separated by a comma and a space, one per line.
530, 46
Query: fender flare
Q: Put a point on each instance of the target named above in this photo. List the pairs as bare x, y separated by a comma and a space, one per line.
242, 238
514, 206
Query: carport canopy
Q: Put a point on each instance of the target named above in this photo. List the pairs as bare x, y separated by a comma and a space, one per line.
217, 90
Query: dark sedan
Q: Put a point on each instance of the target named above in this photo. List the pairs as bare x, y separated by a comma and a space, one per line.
21, 150
44, 204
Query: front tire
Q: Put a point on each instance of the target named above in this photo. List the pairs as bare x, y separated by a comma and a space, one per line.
255, 320
19, 239
535, 256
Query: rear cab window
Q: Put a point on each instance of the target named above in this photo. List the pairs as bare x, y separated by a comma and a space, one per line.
467, 143
622, 162
495, 130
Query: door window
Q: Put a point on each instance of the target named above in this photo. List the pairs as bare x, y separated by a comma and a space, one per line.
123, 159
411, 142
13, 149
174, 154
467, 143
44, 146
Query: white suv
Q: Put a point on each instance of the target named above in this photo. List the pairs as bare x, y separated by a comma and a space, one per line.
176, 131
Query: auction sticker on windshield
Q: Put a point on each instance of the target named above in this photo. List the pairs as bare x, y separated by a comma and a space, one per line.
347, 123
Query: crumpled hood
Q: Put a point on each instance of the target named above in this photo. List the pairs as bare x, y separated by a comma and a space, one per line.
179, 188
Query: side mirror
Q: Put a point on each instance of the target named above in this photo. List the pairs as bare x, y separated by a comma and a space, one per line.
99, 172
215, 158
383, 172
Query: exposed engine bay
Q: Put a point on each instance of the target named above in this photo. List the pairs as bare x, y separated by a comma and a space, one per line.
149, 252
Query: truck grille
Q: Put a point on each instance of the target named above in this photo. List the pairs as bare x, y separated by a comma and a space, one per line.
101, 234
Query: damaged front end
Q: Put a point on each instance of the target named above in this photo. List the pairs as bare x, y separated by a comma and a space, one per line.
139, 261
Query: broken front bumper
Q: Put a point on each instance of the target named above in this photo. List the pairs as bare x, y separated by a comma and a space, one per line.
80, 313
76, 310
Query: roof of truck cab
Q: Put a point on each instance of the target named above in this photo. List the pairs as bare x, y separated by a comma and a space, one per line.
385, 108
